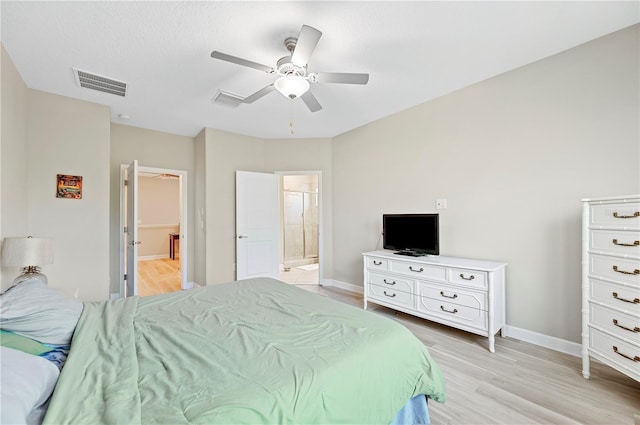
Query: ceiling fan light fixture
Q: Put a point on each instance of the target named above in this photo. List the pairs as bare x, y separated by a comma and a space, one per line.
291, 86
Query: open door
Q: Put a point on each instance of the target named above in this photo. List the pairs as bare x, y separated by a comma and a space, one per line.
257, 225
131, 230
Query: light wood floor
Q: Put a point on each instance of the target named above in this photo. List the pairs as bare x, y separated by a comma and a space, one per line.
158, 276
520, 383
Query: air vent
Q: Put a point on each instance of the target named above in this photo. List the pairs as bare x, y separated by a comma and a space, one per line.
99, 83
227, 99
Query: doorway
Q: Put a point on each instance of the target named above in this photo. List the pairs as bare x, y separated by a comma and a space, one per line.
157, 233
300, 224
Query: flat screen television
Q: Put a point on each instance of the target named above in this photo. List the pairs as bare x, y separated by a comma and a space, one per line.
411, 234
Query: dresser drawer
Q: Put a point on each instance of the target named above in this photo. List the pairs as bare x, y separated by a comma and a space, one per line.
391, 296
472, 299
625, 326
616, 351
616, 296
616, 242
625, 215
392, 282
469, 278
463, 315
377, 263
419, 271
621, 269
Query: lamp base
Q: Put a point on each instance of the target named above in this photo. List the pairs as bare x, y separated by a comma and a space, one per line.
30, 276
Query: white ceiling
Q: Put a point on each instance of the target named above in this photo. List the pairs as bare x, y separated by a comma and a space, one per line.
414, 51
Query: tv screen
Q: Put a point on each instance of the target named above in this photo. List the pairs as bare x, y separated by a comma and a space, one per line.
411, 234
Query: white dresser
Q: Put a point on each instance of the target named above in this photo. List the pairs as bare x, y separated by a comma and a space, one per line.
462, 293
611, 283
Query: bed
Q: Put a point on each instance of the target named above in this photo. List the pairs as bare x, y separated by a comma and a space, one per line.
251, 351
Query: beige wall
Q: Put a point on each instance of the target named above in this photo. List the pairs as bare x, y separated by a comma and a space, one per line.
224, 154
68, 136
513, 155
13, 158
158, 200
151, 149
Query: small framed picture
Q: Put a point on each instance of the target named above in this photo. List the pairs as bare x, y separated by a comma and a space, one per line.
69, 186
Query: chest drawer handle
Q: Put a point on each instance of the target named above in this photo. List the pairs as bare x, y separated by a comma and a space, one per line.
634, 301
390, 296
634, 358
454, 311
635, 243
635, 214
393, 282
453, 297
467, 278
420, 270
636, 329
615, 269
377, 263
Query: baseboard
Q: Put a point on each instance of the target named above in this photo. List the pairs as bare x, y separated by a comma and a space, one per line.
342, 285
153, 257
551, 342
546, 341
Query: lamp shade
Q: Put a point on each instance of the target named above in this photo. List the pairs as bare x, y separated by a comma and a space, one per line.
291, 86
23, 252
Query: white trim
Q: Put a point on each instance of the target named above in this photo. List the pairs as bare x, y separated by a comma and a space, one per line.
184, 213
551, 342
342, 285
153, 257
281, 174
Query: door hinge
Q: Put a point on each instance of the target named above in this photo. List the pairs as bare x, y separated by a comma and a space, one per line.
126, 229
125, 277
126, 182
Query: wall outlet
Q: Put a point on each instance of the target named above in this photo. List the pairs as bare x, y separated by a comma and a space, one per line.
441, 204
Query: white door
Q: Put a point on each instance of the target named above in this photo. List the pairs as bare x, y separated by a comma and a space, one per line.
131, 234
257, 225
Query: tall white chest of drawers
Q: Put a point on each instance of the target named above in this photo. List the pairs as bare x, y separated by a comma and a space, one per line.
611, 283
461, 293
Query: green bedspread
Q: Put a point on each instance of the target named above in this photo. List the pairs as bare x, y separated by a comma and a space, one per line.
253, 351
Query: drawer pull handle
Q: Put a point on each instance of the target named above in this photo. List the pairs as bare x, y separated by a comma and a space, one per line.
635, 214
420, 270
615, 269
467, 278
634, 301
393, 282
636, 329
635, 243
454, 296
390, 296
377, 263
455, 310
634, 358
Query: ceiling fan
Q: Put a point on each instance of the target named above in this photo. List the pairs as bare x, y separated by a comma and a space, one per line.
293, 76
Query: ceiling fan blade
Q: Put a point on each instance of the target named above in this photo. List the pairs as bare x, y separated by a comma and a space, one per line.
310, 100
307, 41
257, 95
342, 78
243, 62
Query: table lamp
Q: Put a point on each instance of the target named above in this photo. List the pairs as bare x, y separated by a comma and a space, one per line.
29, 253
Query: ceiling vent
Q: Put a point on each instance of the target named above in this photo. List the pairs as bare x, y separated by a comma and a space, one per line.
227, 99
100, 83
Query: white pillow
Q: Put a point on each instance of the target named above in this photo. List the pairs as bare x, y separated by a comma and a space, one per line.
33, 309
26, 383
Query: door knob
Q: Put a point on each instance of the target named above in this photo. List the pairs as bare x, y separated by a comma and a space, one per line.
242, 236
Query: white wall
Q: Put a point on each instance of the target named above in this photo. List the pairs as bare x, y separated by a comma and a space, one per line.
13, 158
513, 155
68, 136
